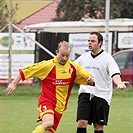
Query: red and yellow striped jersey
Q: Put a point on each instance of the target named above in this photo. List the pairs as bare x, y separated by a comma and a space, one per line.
57, 80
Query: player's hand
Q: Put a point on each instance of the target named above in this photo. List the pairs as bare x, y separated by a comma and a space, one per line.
91, 81
122, 85
9, 90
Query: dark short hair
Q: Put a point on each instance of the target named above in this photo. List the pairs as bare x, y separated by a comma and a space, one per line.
100, 37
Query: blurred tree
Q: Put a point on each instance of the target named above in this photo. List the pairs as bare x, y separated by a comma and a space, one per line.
4, 13
121, 9
70, 10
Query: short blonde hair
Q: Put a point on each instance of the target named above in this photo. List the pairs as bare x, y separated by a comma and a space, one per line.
63, 43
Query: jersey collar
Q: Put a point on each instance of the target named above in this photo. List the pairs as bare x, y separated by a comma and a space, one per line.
56, 60
94, 56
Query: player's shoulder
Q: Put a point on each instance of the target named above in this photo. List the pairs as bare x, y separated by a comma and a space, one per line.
107, 57
83, 57
106, 54
47, 63
73, 63
86, 54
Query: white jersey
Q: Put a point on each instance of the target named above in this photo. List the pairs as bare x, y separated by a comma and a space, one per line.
102, 67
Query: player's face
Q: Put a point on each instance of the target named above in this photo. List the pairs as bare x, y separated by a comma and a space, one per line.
63, 55
93, 44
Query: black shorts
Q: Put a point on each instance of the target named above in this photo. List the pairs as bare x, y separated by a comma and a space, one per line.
93, 109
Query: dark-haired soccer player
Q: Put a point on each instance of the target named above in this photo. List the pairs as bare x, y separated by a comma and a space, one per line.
93, 102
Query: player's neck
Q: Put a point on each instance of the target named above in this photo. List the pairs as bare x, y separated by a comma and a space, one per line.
96, 52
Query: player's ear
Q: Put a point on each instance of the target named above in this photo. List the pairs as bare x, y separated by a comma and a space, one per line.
56, 51
100, 43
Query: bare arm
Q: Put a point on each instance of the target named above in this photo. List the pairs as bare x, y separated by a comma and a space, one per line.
12, 87
117, 80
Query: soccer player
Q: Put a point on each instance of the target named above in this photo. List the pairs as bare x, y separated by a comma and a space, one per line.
57, 78
94, 102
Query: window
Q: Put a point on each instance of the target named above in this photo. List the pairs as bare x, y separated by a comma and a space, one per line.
121, 59
130, 61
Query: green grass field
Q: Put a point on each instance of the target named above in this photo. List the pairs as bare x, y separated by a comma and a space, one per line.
18, 111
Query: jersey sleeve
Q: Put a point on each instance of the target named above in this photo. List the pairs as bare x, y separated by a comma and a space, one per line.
33, 70
82, 75
113, 67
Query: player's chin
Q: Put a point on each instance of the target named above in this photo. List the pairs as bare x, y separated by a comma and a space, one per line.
90, 48
63, 63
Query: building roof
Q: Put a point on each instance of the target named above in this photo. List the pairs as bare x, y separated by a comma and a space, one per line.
82, 26
26, 8
45, 14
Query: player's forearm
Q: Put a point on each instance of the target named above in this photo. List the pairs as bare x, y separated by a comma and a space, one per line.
117, 79
12, 87
16, 80
120, 84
